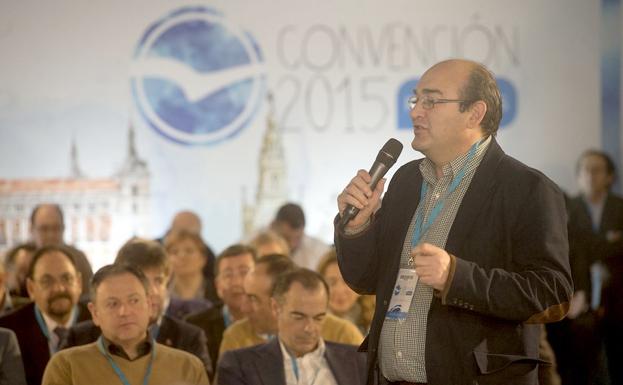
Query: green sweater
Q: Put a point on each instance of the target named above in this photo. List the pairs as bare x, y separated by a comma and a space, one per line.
85, 364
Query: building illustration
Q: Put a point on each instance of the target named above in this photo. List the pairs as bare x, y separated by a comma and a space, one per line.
100, 213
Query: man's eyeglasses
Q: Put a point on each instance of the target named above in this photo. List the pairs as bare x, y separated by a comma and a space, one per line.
428, 102
47, 282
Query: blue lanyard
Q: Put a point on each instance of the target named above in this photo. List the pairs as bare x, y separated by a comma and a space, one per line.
117, 369
420, 227
44, 327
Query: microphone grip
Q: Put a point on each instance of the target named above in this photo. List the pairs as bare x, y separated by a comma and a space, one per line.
377, 172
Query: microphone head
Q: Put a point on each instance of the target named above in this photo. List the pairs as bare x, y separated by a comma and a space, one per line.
390, 152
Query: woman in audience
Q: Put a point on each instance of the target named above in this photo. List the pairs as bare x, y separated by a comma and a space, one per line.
190, 290
343, 301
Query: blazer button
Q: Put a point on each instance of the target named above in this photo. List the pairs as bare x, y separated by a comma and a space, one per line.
385, 302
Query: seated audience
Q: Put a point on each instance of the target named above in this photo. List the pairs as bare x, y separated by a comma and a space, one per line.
150, 257
11, 368
189, 288
343, 301
125, 352
16, 265
260, 324
54, 284
298, 354
232, 265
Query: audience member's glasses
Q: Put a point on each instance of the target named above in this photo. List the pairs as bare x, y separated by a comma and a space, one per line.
429, 102
48, 281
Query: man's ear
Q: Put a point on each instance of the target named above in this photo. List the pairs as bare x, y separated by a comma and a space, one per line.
30, 287
477, 113
93, 310
274, 305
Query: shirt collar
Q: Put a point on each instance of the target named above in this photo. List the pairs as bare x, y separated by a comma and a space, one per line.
427, 168
143, 349
313, 355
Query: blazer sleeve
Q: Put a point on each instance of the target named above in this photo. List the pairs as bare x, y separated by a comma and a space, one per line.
358, 255
229, 370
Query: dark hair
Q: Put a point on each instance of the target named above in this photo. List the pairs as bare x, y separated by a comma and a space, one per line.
178, 236
276, 265
481, 85
144, 254
33, 214
114, 270
292, 214
233, 251
309, 279
610, 168
9, 260
47, 250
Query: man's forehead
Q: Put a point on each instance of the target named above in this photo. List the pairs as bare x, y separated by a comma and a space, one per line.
53, 260
240, 260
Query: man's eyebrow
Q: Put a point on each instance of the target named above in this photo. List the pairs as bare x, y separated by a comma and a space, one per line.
428, 91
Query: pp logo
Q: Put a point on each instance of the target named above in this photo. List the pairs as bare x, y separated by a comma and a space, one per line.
197, 78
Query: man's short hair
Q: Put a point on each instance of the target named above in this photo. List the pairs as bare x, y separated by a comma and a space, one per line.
47, 250
610, 167
292, 214
115, 270
275, 265
144, 254
309, 279
233, 251
481, 85
269, 237
33, 214
9, 260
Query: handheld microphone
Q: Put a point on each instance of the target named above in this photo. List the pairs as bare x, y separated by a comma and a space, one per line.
384, 161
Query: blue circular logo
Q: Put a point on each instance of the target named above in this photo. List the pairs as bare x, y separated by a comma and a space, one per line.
197, 78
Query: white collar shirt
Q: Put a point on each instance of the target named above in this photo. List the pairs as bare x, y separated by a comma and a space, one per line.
310, 369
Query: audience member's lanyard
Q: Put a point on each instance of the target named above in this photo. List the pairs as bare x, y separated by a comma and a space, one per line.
420, 227
117, 369
295, 369
44, 327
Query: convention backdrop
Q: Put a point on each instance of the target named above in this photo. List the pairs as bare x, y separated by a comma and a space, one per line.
178, 92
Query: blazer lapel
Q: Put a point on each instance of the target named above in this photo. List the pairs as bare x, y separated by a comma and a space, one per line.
477, 195
269, 364
167, 333
342, 368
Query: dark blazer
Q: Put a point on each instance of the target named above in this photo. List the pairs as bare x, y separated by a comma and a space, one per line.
263, 365
32, 342
510, 271
212, 323
11, 367
173, 333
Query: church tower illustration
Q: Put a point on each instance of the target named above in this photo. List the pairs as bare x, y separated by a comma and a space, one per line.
272, 190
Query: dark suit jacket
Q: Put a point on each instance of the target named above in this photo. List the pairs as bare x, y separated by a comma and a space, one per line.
32, 342
263, 365
213, 325
173, 333
509, 239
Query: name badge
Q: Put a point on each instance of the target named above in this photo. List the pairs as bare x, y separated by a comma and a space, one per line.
402, 295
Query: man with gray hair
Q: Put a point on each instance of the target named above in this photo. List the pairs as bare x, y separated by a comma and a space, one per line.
298, 354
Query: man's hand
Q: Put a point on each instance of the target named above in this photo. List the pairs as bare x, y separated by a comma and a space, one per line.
432, 265
358, 194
